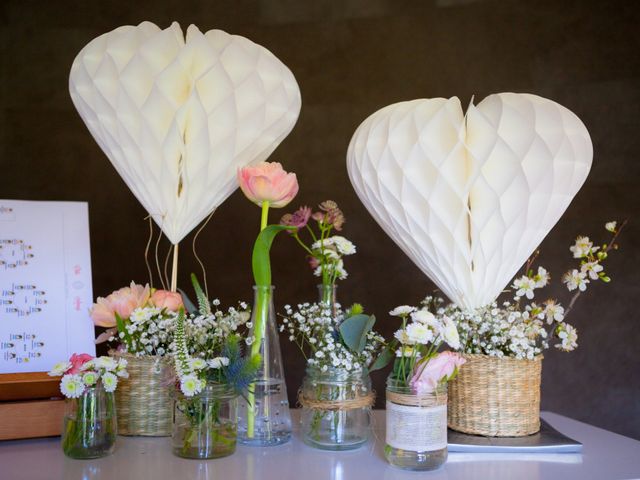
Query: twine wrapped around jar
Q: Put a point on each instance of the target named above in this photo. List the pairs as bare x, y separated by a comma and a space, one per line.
496, 397
360, 401
144, 401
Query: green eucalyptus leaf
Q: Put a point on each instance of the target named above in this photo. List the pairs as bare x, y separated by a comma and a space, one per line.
354, 331
383, 359
260, 259
189, 305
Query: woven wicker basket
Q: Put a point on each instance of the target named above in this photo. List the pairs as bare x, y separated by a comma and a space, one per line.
144, 401
496, 397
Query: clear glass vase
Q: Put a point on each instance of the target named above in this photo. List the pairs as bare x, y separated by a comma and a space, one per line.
336, 407
205, 425
416, 436
90, 427
264, 418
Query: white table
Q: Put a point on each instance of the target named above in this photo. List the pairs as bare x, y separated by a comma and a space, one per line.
605, 456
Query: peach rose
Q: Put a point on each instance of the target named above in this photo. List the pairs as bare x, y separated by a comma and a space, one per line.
122, 302
440, 368
268, 182
165, 299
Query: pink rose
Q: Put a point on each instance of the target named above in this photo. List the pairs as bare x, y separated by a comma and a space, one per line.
122, 302
440, 368
268, 182
165, 299
77, 361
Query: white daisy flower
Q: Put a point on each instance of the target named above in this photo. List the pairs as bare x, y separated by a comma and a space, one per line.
59, 369
402, 311
109, 381
344, 246
419, 333
89, 378
218, 362
190, 385
72, 386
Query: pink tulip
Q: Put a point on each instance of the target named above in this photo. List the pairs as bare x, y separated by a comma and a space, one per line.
440, 368
77, 361
122, 302
268, 182
172, 301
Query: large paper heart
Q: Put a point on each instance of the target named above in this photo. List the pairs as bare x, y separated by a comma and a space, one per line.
469, 198
177, 117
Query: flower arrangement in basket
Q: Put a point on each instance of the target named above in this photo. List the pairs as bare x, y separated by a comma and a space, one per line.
141, 322
211, 373
340, 346
88, 383
416, 434
498, 393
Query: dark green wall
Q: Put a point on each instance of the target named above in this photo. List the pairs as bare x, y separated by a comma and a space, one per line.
350, 59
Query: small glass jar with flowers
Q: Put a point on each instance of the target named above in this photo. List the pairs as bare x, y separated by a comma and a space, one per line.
416, 394
89, 429
140, 323
340, 346
211, 374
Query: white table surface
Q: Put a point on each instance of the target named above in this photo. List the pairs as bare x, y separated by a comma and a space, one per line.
605, 456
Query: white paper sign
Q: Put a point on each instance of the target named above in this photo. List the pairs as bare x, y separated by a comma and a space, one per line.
45, 284
418, 429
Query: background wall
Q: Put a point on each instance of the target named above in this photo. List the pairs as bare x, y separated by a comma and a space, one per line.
350, 59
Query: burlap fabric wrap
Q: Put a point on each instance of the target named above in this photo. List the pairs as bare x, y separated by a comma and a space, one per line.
496, 397
144, 401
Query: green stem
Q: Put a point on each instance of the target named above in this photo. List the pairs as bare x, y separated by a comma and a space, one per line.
264, 219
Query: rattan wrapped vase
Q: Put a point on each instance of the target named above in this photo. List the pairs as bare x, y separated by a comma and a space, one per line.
144, 401
496, 397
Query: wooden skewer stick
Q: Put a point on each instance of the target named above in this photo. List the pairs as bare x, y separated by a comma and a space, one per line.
174, 269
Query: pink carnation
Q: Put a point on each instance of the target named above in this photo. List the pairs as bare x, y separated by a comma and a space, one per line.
77, 361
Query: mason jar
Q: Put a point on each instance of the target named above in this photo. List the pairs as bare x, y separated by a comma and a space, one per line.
206, 424
336, 408
90, 427
416, 434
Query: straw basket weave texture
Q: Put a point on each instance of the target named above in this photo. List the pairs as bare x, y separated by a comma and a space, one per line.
144, 401
496, 397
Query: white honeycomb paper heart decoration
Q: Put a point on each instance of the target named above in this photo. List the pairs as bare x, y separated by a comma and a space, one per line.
177, 117
469, 197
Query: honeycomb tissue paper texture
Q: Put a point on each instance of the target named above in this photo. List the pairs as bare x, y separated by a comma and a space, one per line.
178, 116
469, 197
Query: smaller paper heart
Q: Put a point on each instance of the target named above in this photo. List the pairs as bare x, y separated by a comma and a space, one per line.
469, 198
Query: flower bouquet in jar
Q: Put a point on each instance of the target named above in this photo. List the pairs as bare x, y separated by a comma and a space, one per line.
88, 383
416, 434
211, 374
340, 346
140, 323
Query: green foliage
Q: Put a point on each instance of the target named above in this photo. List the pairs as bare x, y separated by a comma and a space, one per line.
181, 357
354, 330
355, 309
260, 258
121, 328
384, 357
191, 308
204, 307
